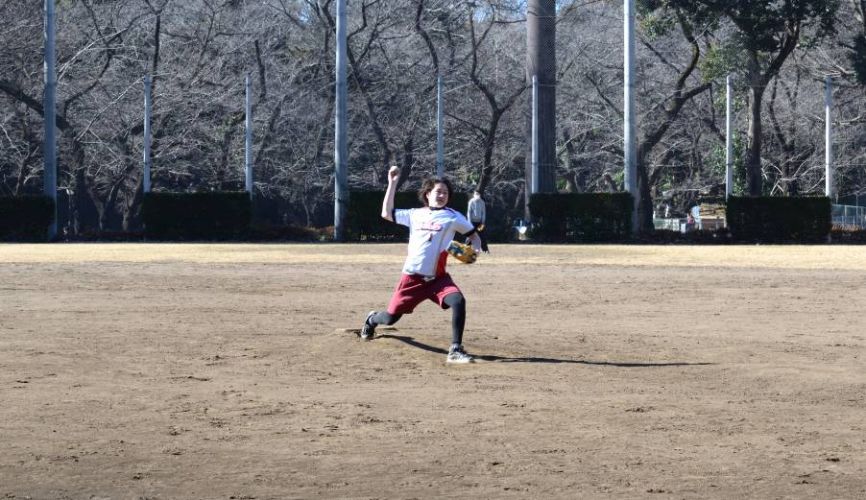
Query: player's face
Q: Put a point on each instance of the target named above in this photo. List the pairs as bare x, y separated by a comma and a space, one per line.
438, 197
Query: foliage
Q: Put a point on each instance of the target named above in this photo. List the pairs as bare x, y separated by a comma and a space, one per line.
586, 217
716, 159
764, 24
196, 216
721, 60
779, 219
656, 23
25, 218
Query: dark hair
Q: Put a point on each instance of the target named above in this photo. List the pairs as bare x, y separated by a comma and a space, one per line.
428, 186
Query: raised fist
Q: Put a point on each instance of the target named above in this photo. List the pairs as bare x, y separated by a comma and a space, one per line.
393, 174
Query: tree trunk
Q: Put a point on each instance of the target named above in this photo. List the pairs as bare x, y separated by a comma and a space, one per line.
754, 177
645, 200
132, 208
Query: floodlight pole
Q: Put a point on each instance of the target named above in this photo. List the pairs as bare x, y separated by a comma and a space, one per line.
148, 104
828, 138
248, 137
729, 140
534, 169
629, 135
49, 147
341, 150
440, 135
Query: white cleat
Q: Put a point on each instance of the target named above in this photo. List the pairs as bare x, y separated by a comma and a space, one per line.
456, 355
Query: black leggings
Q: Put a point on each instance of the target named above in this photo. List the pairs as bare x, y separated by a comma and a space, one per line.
458, 316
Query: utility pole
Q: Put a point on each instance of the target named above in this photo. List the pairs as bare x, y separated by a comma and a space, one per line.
440, 134
534, 181
541, 74
49, 147
248, 136
829, 188
148, 104
341, 149
629, 134
729, 140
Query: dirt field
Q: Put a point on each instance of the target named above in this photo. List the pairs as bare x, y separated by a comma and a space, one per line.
226, 371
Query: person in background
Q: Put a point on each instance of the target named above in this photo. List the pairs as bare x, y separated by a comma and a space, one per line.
695, 212
477, 215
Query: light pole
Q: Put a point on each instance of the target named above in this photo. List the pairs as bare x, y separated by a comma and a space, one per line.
829, 188
341, 150
729, 141
629, 137
147, 115
440, 134
248, 136
49, 147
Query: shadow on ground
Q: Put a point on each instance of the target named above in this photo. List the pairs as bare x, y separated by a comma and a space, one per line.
530, 359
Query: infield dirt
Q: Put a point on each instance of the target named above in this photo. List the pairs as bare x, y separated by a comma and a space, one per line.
230, 371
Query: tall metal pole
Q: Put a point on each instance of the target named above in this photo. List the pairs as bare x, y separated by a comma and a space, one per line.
148, 104
49, 147
341, 150
541, 69
534, 134
828, 137
440, 133
248, 138
729, 140
629, 136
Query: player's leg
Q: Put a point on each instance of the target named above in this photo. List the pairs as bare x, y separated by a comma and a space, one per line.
457, 303
407, 295
376, 318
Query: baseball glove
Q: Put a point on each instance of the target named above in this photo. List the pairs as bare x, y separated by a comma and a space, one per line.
462, 252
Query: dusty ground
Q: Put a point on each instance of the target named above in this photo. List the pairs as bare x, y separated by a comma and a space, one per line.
225, 371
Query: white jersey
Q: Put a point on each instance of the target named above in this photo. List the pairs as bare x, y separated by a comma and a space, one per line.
430, 233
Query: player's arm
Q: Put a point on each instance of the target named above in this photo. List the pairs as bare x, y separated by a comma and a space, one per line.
464, 227
388, 202
475, 241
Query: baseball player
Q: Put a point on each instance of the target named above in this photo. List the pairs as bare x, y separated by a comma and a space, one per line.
431, 230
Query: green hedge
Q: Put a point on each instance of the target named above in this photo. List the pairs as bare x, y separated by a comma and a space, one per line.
779, 220
364, 221
25, 218
581, 217
196, 216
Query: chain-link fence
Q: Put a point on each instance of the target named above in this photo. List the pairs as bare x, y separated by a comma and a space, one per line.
849, 216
